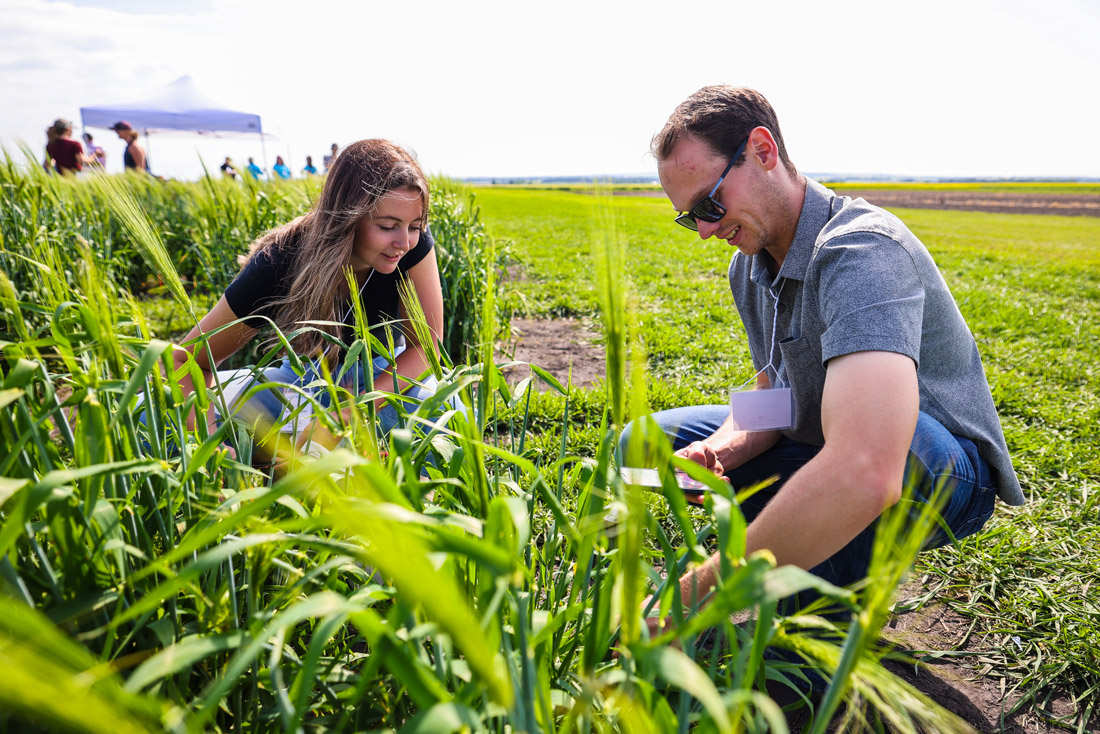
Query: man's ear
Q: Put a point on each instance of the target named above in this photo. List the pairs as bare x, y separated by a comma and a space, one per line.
763, 148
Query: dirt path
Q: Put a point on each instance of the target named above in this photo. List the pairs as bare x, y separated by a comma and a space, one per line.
1083, 205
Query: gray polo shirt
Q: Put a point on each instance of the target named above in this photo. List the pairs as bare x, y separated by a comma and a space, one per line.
857, 280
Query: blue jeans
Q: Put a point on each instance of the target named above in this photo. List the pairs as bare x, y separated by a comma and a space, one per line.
266, 403
935, 455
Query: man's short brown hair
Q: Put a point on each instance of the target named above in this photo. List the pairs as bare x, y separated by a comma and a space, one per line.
721, 116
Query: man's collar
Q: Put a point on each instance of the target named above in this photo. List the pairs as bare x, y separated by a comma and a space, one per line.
815, 214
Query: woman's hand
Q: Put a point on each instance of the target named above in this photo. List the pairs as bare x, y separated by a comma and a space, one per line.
209, 354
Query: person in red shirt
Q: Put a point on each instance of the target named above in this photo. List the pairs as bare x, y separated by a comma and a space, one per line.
64, 153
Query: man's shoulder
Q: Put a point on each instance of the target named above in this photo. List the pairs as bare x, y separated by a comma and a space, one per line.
851, 216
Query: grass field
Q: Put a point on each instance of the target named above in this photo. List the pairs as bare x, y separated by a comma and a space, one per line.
1029, 286
465, 576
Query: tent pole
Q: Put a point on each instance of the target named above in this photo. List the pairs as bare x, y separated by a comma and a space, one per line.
147, 148
263, 147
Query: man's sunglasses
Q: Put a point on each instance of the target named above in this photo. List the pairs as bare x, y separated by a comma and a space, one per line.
708, 209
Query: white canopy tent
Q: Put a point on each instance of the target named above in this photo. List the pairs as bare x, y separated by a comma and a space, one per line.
178, 106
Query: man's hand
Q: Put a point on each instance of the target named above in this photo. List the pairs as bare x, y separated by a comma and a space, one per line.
656, 625
703, 455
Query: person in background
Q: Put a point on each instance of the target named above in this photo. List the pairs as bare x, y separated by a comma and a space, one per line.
133, 157
95, 155
372, 219
63, 153
310, 169
227, 168
330, 159
254, 170
280, 168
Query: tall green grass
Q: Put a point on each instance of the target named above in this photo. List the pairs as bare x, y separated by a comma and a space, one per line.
445, 579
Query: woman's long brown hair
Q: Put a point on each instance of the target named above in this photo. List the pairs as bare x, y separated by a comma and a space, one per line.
321, 240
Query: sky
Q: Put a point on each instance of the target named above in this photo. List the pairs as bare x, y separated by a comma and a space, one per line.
937, 88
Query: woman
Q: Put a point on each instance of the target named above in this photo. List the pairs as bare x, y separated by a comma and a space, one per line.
371, 218
281, 169
134, 156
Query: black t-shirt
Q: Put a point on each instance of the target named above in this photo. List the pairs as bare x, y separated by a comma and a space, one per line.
267, 278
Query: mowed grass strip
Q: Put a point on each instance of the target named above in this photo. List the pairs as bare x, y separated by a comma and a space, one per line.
1028, 285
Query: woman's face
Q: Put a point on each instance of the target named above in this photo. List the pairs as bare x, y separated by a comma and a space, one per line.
382, 239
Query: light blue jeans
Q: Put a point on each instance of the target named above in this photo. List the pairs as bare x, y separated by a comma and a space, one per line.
936, 457
268, 405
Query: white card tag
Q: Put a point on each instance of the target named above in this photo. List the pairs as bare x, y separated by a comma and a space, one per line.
761, 410
640, 477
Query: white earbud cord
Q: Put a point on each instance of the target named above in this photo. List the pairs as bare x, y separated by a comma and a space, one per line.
360, 297
771, 350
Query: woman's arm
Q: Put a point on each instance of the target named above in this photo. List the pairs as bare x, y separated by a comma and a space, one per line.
413, 362
221, 346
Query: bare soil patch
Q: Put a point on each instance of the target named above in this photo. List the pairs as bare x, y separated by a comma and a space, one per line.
959, 682
566, 348
1075, 205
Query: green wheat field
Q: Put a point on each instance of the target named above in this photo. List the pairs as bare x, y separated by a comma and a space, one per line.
464, 574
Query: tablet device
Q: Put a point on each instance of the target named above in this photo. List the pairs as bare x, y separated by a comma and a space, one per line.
650, 478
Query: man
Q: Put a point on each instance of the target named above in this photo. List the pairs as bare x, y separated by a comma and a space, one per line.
849, 319
254, 170
227, 169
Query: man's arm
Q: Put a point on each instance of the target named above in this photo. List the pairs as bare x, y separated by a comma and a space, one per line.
868, 412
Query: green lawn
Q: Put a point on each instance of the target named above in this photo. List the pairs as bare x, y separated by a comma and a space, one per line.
1029, 286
